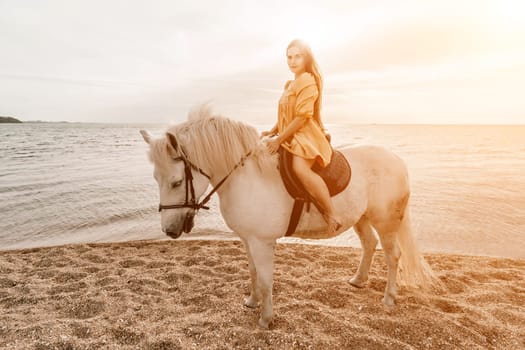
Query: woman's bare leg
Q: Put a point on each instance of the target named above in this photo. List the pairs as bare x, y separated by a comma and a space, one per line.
316, 187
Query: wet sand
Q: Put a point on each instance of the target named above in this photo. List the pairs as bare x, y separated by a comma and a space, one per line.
188, 295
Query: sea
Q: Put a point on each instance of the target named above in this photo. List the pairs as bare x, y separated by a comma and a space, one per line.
64, 183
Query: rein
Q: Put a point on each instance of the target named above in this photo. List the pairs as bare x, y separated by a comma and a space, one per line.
190, 190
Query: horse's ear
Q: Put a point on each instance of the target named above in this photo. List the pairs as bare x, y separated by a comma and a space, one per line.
172, 143
146, 135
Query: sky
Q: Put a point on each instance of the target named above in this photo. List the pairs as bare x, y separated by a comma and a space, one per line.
392, 62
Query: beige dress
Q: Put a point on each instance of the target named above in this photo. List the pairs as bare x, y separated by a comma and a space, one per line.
297, 101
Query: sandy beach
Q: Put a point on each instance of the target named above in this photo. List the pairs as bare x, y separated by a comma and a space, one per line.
188, 295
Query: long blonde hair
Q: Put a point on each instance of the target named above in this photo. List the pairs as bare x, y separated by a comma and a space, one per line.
312, 67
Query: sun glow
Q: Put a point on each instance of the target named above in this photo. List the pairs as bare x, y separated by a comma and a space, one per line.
509, 14
320, 30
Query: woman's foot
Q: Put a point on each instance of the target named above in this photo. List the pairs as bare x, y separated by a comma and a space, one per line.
333, 225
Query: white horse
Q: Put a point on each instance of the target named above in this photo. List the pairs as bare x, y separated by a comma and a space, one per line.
255, 204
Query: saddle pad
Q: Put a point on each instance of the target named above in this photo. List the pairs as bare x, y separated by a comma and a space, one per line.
336, 175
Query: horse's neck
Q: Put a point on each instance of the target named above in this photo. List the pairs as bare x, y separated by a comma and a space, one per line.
248, 184
247, 164
251, 201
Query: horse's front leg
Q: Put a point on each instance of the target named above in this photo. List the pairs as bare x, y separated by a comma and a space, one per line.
252, 301
262, 253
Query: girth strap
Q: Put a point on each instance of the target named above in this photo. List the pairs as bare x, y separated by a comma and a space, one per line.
297, 209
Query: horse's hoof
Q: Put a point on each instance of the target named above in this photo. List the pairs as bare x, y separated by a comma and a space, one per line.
264, 324
251, 303
356, 283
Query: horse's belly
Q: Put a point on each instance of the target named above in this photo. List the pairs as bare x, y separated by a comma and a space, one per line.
316, 234
349, 205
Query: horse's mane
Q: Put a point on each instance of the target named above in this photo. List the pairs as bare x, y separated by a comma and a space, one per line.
214, 143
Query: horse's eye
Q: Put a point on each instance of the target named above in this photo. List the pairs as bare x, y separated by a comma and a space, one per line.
176, 184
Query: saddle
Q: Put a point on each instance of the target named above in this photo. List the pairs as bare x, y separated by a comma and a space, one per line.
336, 175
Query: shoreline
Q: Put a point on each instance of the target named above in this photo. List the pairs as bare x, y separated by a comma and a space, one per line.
185, 294
230, 236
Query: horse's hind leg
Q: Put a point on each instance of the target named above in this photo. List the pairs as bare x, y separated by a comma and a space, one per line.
252, 300
392, 254
368, 243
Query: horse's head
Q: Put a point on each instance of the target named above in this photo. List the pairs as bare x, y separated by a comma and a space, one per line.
180, 184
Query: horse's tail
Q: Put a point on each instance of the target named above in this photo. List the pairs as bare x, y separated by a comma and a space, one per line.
414, 271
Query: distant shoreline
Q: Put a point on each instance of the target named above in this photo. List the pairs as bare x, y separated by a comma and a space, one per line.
45, 122
13, 120
9, 120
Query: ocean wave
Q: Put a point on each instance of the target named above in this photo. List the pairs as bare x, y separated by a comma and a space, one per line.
121, 216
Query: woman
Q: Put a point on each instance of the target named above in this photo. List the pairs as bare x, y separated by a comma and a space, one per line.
299, 127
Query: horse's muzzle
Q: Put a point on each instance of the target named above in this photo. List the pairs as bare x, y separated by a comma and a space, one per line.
186, 227
173, 235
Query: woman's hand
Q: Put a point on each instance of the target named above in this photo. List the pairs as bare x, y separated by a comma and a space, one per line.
273, 145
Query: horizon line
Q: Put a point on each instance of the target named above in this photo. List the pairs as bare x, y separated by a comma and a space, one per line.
261, 123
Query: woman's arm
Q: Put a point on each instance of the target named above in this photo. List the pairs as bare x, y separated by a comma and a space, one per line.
296, 124
303, 101
272, 132
292, 128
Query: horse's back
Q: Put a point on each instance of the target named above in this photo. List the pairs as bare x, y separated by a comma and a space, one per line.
383, 175
374, 159
374, 156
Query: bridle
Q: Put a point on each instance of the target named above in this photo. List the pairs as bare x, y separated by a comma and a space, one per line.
190, 200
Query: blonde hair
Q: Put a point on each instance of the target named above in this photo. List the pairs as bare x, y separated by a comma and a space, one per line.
312, 67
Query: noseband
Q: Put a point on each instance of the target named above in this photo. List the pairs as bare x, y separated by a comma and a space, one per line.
190, 202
